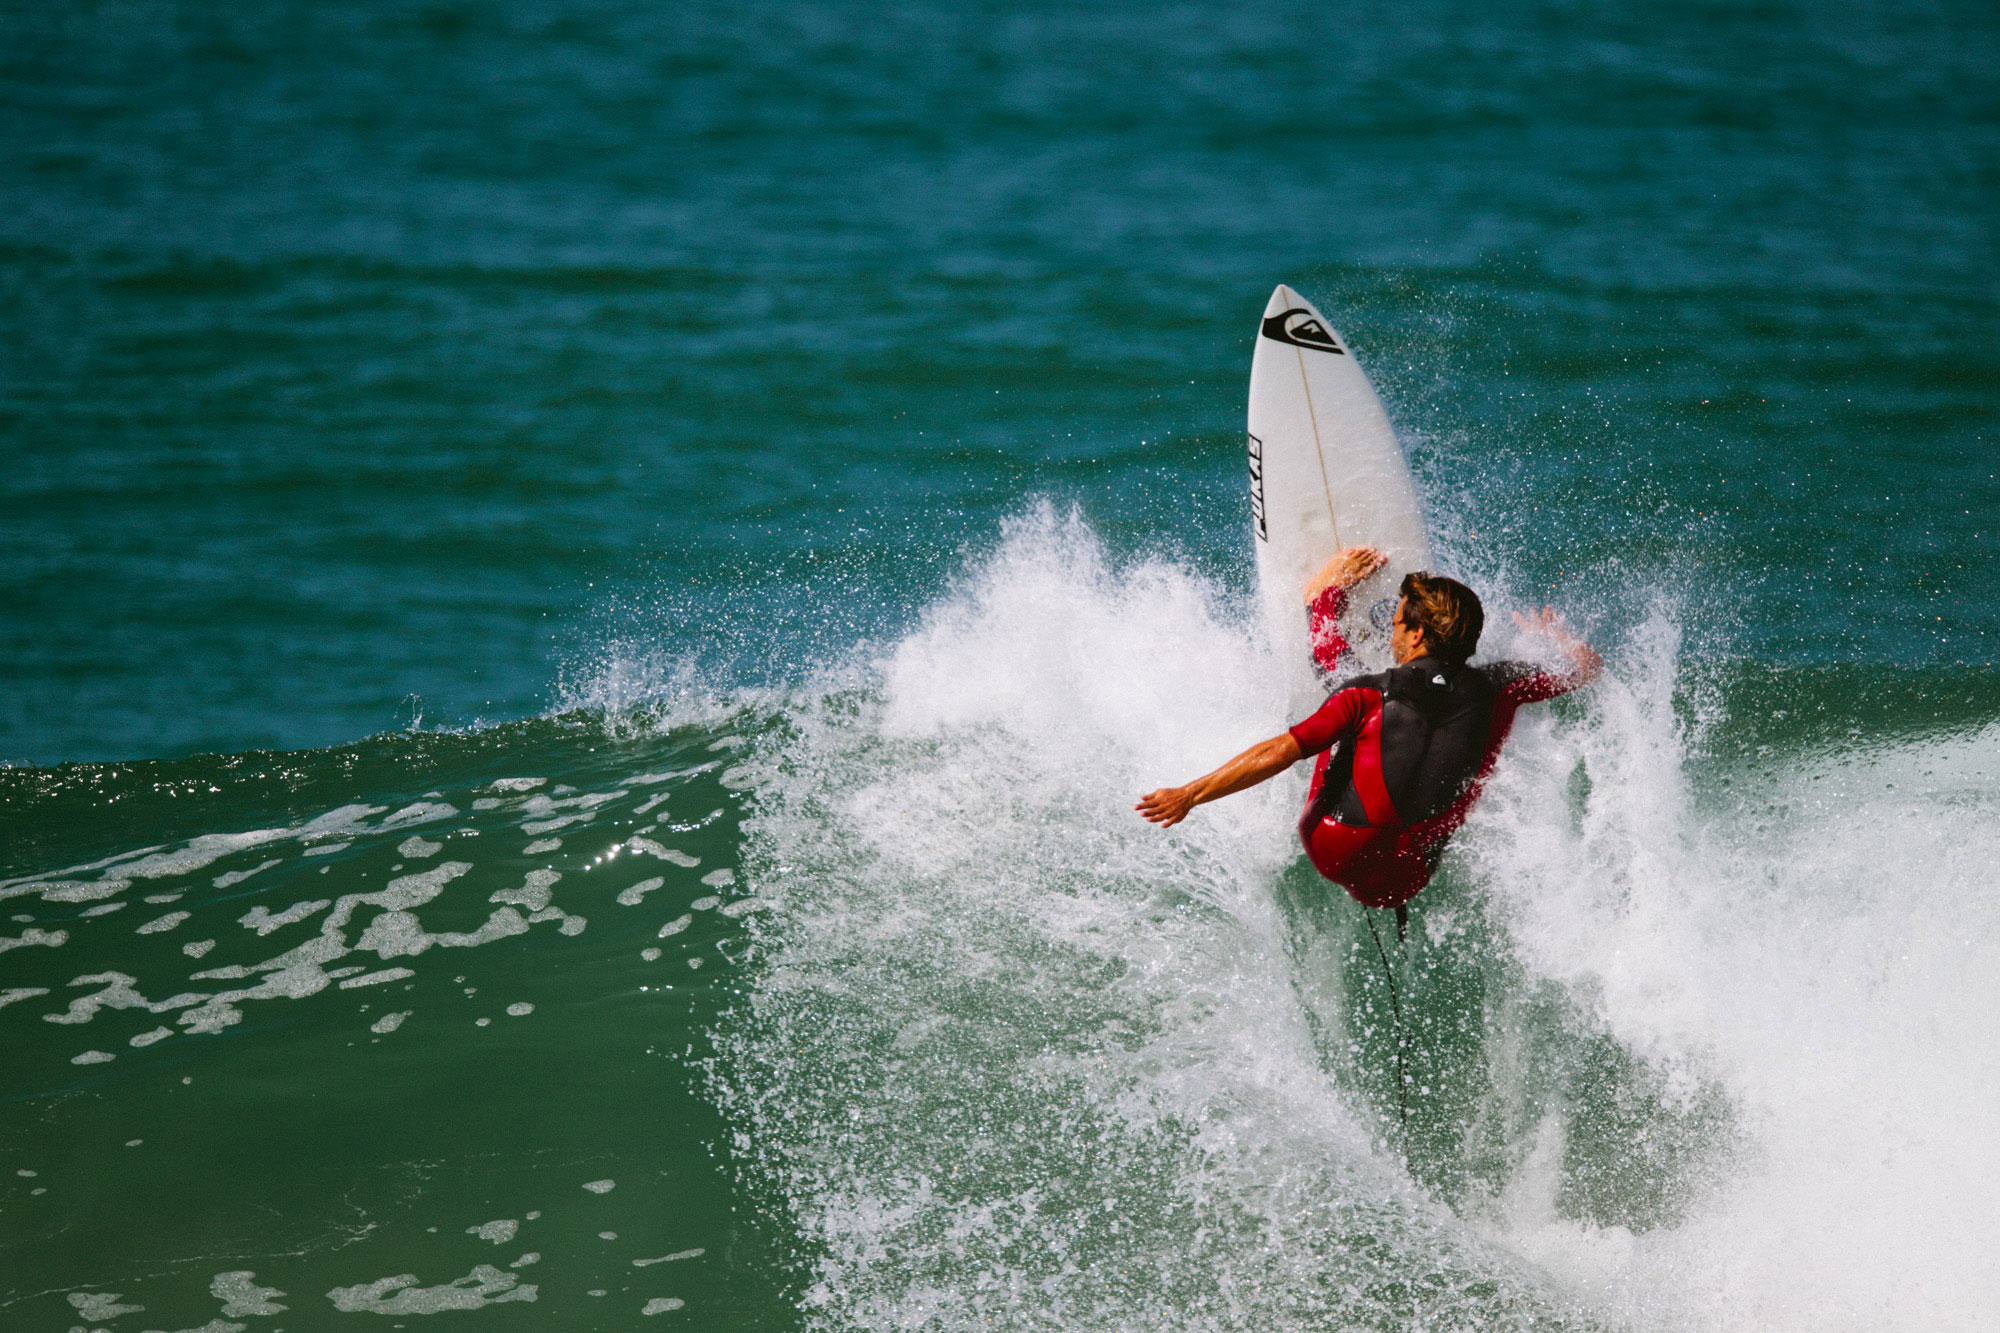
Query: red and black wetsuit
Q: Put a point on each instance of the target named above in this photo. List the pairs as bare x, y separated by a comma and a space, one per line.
1402, 757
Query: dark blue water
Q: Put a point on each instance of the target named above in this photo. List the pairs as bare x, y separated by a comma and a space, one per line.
400, 398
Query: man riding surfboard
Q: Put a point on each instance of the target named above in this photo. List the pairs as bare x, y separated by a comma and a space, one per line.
1402, 754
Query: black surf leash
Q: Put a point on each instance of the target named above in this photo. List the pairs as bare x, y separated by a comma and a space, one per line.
1395, 1008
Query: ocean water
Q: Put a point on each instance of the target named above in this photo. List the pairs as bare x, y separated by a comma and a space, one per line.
585, 592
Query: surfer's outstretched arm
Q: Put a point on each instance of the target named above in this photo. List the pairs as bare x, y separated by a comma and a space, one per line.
1266, 759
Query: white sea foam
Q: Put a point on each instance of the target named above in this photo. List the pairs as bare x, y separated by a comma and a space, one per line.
1126, 1108
238, 876
99, 1305
33, 936
31, 883
484, 1285
199, 852
534, 893
422, 812
377, 978
118, 993
552, 824
670, 1258
1823, 945
81, 891
636, 894
241, 1296
263, 920
395, 932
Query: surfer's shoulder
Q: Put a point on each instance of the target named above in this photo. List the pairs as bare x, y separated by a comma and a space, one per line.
1377, 681
1507, 672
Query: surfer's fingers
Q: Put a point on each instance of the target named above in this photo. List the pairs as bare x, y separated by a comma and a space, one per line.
1548, 618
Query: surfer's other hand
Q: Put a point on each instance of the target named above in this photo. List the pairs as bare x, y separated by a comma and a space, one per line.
1166, 807
1548, 621
1345, 569
1585, 664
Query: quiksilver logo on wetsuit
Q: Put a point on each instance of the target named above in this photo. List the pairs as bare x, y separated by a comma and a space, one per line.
1302, 328
1257, 487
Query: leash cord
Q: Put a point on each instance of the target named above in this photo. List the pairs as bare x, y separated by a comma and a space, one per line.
1396, 1011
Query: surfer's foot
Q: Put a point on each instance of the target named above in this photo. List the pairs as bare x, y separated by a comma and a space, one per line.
1346, 569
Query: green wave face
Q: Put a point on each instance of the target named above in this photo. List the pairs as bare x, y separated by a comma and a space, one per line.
423, 1005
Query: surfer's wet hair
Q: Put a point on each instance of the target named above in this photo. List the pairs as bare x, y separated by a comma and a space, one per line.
1448, 613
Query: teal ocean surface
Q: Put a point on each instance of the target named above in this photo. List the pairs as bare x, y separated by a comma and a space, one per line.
586, 590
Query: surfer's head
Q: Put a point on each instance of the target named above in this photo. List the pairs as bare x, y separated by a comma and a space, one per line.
1439, 617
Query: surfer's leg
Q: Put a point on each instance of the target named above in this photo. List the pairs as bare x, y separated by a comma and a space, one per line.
1377, 867
1399, 874
1343, 853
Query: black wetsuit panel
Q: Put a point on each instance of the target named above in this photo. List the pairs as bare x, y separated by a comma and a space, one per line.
1435, 722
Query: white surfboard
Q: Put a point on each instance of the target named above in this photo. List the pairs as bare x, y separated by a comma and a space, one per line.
1326, 473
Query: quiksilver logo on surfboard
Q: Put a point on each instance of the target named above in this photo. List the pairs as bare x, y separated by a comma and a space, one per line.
1257, 487
1302, 328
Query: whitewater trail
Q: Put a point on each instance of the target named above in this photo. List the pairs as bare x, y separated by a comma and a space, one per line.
1014, 1053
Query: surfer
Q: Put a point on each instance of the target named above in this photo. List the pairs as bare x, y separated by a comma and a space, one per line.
1401, 755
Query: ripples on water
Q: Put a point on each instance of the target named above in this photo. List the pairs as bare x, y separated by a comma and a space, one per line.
433, 1032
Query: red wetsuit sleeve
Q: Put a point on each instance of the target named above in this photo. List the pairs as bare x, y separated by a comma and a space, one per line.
1526, 683
1337, 719
1323, 628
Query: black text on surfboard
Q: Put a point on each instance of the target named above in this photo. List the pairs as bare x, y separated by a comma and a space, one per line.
1302, 328
1257, 486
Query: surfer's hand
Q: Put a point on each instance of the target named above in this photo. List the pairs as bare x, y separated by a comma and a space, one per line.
1549, 623
1166, 807
1346, 569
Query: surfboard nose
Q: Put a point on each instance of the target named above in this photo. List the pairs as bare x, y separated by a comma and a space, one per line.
1284, 298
